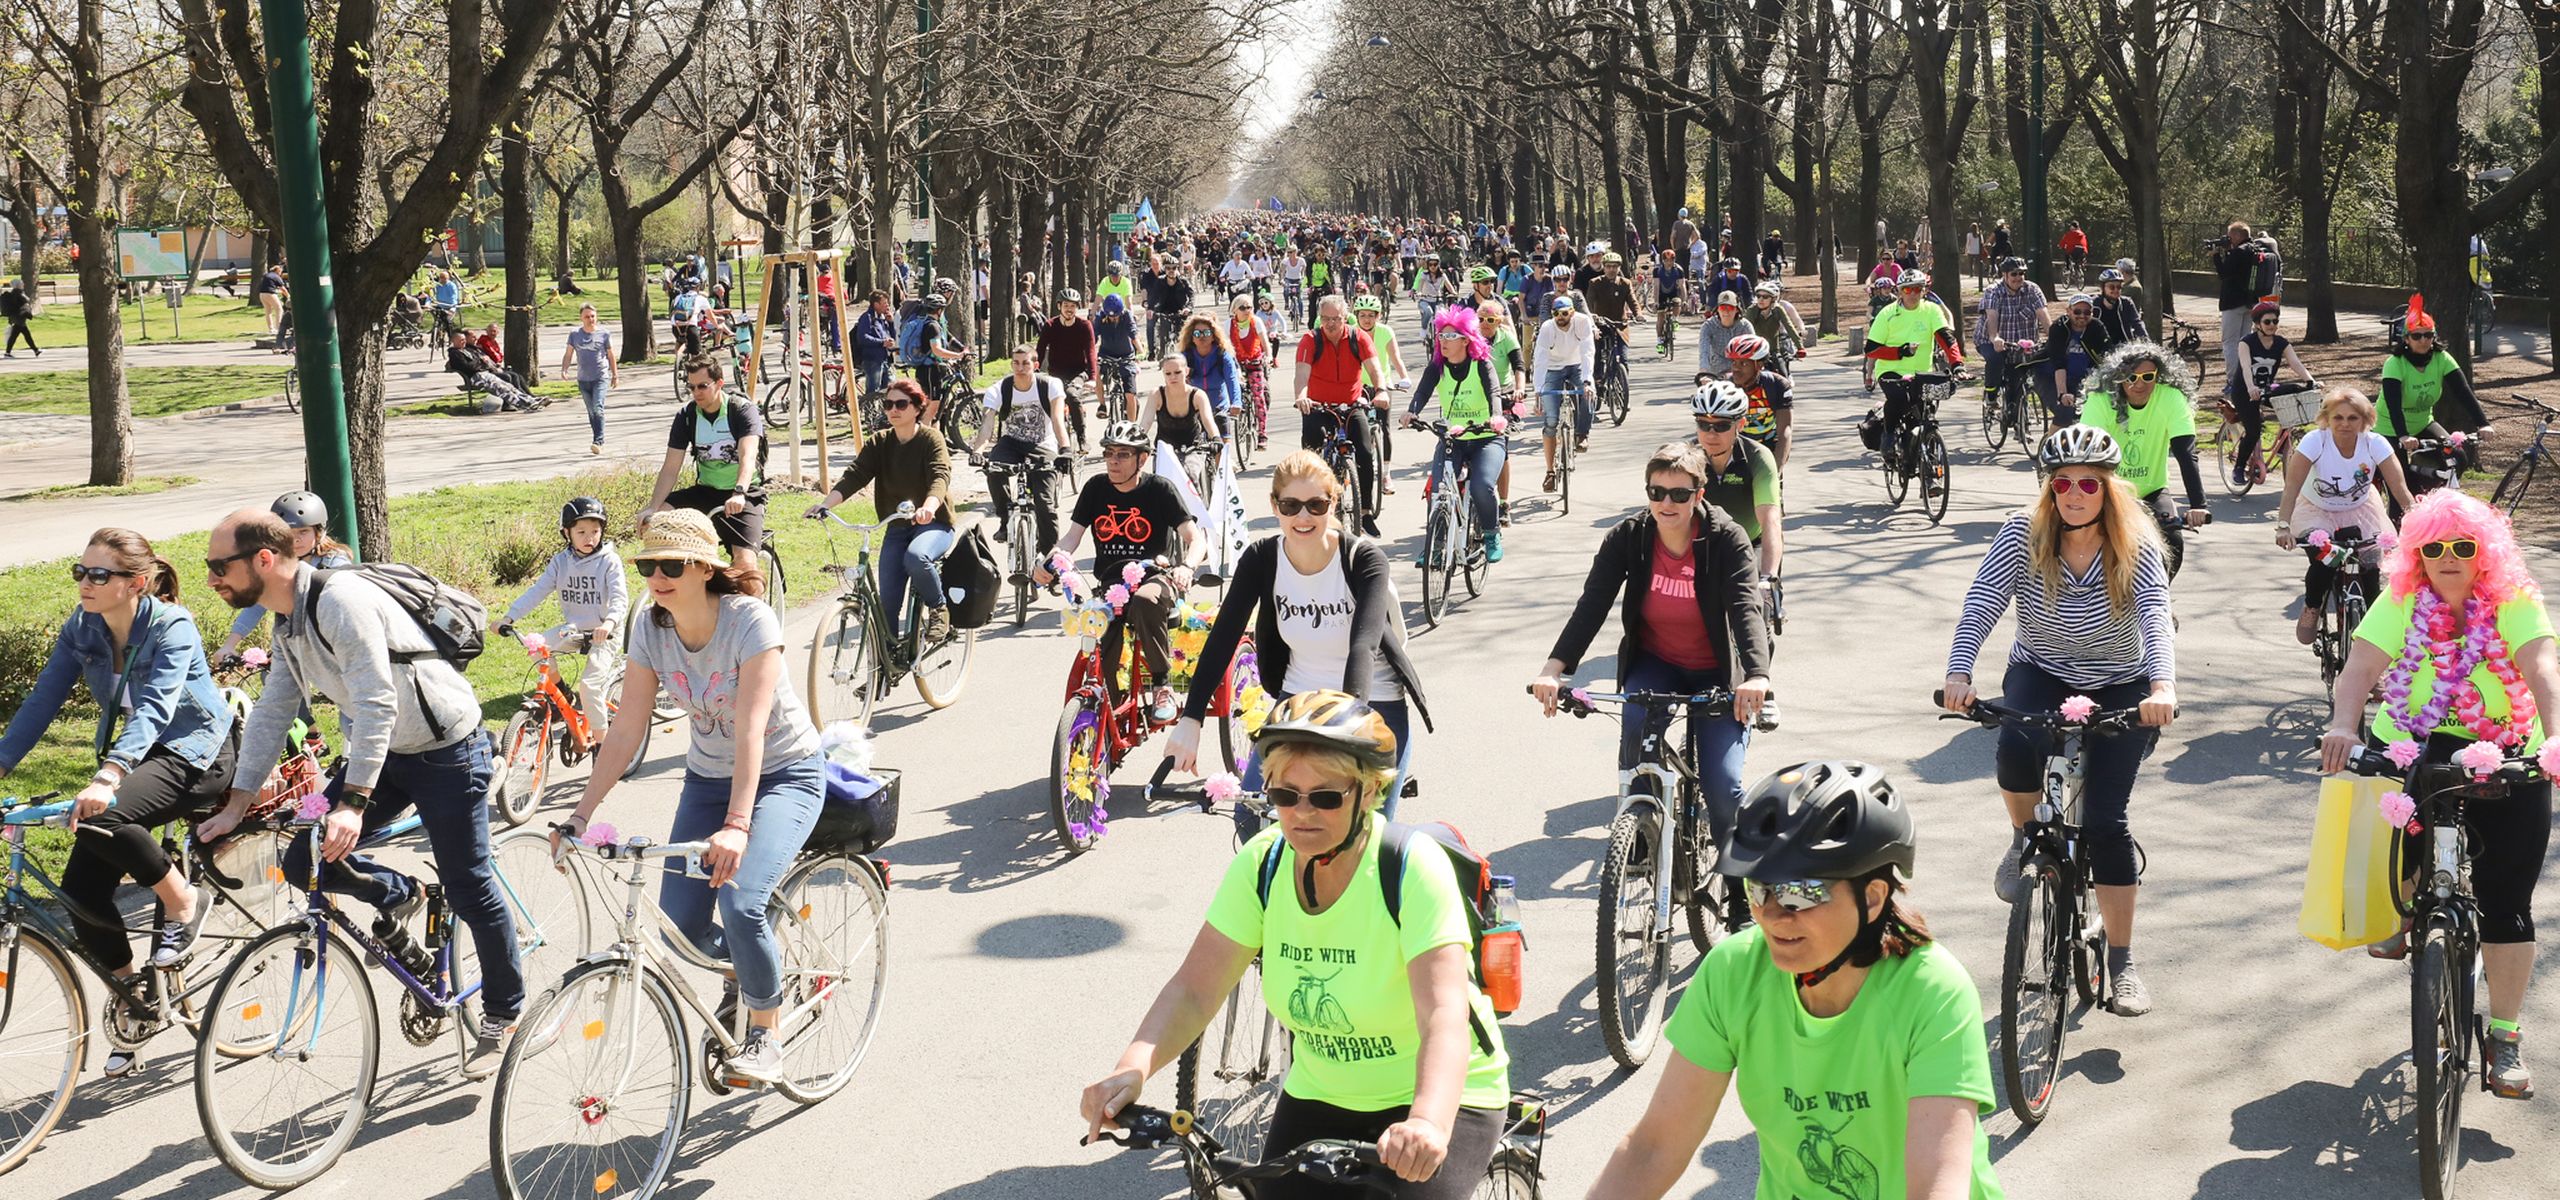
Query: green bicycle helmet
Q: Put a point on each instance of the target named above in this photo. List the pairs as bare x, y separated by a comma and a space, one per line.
1480, 273
1367, 304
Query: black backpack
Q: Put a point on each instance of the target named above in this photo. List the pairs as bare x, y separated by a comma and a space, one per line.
453, 620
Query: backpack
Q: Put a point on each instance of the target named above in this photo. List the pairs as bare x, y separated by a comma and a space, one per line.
453, 620
1493, 938
2268, 279
1004, 409
911, 342
971, 579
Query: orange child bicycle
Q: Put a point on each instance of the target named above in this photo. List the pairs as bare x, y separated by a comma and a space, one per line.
550, 714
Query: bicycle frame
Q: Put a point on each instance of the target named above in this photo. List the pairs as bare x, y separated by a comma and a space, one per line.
322, 914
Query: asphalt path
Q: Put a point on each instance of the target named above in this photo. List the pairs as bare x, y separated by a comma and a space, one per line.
2271, 1066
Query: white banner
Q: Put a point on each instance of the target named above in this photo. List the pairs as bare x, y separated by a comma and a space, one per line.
1221, 515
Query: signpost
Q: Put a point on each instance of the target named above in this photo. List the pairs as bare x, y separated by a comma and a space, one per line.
1124, 222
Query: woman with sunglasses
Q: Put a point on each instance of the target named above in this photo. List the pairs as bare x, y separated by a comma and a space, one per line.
1460, 374
1212, 364
2139, 396
2087, 573
1324, 613
2425, 395
1181, 416
2337, 467
2264, 352
1837, 994
165, 742
2461, 606
1511, 379
1251, 342
911, 465
1399, 1046
1688, 590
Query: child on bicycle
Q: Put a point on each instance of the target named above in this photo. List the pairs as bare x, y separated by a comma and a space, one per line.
594, 599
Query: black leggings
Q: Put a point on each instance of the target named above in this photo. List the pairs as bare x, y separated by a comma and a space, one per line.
119, 842
2108, 764
1295, 1122
2317, 577
2509, 837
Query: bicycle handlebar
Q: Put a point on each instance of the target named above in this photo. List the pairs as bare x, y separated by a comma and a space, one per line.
1989, 713
1328, 1160
1715, 702
2369, 759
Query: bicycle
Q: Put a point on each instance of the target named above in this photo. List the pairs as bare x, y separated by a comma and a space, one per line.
778, 398
2185, 341
1020, 541
1451, 542
855, 659
291, 1046
594, 1088
2010, 411
1773, 599
1513, 1173
549, 724
2344, 607
2519, 477
2057, 938
1609, 378
1919, 450
2241, 477
1645, 875
1341, 455
1234, 1089
1253, 419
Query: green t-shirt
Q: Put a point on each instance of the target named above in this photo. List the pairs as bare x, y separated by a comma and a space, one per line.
2143, 433
1831, 1096
1337, 978
1899, 326
2420, 388
1382, 338
1110, 287
1746, 483
1504, 346
2386, 624
1318, 273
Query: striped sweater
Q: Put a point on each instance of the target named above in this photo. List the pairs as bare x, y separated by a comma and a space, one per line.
2077, 635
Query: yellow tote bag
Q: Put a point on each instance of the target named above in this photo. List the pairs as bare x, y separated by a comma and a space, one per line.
2346, 894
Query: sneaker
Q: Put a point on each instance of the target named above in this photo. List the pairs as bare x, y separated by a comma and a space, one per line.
2126, 996
937, 624
759, 1061
1166, 708
177, 939
2306, 628
488, 1041
2239, 477
1493, 547
595, 447
119, 1063
2008, 881
2508, 1077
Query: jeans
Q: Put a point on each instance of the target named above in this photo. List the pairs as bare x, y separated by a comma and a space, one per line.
1715, 744
875, 377
1398, 715
449, 786
1480, 463
1044, 504
2235, 327
907, 552
1559, 382
1472, 1138
787, 802
2107, 764
592, 391
2054, 379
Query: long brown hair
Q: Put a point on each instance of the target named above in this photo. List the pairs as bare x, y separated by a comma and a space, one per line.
1898, 931
2123, 528
133, 553
737, 579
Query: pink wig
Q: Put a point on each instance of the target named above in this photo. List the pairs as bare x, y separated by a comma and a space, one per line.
2445, 514
1463, 319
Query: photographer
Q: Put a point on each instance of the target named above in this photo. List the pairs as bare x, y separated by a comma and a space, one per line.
2235, 267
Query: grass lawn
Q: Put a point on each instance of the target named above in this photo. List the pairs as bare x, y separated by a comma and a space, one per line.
156, 391
210, 316
144, 486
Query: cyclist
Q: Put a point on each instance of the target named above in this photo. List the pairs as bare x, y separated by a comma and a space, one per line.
1251, 342
1742, 476
308, 517
931, 353
1615, 307
1369, 314
1535, 292
586, 573
2336, 466
1483, 286
753, 778
1718, 332
2418, 381
688, 318
1689, 603
1320, 283
1462, 376
1293, 282
1514, 280
1770, 311
1064, 350
1589, 268
1027, 431
2139, 396
1769, 420
2460, 592
911, 464
722, 433
2075, 251
1136, 518
2012, 311
2117, 311
2265, 351
1213, 366
2073, 346
1511, 377
1854, 1039
1115, 282
2091, 586
1334, 360
1729, 277
1561, 363
1392, 1040
1432, 287
166, 746
1184, 419
875, 343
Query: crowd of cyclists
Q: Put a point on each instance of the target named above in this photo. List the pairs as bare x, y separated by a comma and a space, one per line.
1834, 979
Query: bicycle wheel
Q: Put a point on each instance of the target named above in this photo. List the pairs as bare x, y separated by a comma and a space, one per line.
593, 1092
1079, 770
554, 923
1229, 1080
1244, 675
1436, 563
1707, 917
1935, 477
1512, 1175
281, 1117
1564, 468
942, 670
835, 942
1634, 958
1897, 482
43, 1041
523, 766
1613, 392
777, 405
777, 586
2030, 420
2512, 485
1019, 558
2034, 981
1995, 420
2440, 1048
841, 666
648, 732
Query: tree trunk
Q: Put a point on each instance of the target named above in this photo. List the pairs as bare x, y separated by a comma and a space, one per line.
360, 373
23, 195
515, 225
631, 280
560, 238
1004, 276
85, 112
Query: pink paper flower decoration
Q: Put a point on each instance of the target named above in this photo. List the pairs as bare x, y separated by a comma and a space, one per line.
2318, 539
253, 658
1131, 573
2456, 439
2388, 540
2479, 758
2549, 757
1222, 787
533, 642
2404, 754
600, 833
2397, 809
2076, 709
1117, 596
1500, 423
315, 803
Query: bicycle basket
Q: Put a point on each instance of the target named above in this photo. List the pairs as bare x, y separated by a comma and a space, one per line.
859, 814
2297, 409
1937, 391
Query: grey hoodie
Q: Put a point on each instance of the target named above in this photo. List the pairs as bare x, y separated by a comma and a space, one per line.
379, 701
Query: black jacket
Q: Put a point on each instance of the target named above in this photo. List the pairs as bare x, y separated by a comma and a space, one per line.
1374, 608
2098, 340
1728, 594
2123, 319
2236, 270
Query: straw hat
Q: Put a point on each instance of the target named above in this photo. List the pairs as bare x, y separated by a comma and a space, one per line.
683, 535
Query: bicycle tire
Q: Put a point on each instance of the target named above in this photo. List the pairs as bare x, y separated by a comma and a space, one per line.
1613, 392
835, 940
2440, 1055
1995, 420
243, 995
1897, 484
1435, 565
2226, 455
639, 753
1707, 919
523, 766
1472, 563
549, 907
570, 1023
26, 1130
1234, 1098
2030, 419
1511, 1175
1079, 775
777, 589
841, 677
2512, 485
1018, 556
1630, 981
942, 670
1564, 465
1244, 673
1934, 470
2034, 969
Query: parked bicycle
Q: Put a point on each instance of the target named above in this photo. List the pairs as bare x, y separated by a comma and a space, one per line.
1513, 1173
2187, 342
1452, 544
855, 659
2519, 478
548, 725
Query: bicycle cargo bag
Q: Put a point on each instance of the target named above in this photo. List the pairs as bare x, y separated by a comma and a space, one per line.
859, 813
1494, 942
971, 578
1871, 429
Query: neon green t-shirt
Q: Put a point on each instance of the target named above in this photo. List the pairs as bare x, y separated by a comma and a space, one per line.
1899, 326
1337, 978
2420, 388
1382, 338
1110, 287
1319, 273
2386, 624
1504, 346
2143, 433
1747, 482
1831, 1096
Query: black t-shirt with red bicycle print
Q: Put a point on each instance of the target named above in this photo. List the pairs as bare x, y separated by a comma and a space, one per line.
1130, 526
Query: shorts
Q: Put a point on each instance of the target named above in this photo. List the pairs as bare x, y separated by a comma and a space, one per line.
743, 530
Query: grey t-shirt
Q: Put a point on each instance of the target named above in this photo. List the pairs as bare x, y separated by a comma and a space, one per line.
705, 684
592, 350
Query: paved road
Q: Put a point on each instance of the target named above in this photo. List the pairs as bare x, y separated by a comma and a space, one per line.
2271, 1067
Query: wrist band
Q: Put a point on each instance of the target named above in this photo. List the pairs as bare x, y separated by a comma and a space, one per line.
735, 823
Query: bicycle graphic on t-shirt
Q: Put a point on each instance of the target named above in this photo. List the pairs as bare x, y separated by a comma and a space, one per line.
1840, 1169
1124, 525
1311, 1007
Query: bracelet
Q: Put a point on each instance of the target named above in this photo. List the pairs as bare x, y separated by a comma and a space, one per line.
737, 823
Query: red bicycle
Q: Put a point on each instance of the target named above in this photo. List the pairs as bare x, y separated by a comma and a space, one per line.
1106, 718
549, 713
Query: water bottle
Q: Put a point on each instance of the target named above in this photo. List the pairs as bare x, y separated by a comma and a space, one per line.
1499, 959
1506, 901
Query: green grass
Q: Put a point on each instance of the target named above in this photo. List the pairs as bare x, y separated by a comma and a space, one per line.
155, 391
461, 405
144, 486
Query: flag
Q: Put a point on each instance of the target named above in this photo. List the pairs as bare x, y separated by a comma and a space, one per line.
1221, 516
1147, 212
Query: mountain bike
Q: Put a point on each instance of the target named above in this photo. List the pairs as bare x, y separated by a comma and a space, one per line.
1253, 421
1645, 874
1451, 543
2519, 477
292, 1044
2057, 938
547, 725
962, 412
2185, 341
595, 1086
1341, 455
2013, 410
1609, 377
2448, 1035
2349, 555
856, 659
1021, 540
1513, 1173
1919, 451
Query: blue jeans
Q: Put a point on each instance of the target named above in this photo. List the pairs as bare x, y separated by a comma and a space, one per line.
1715, 744
592, 391
787, 800
875, 377
1399, 717
907, 552
1480, 463
449, 787
1560, 382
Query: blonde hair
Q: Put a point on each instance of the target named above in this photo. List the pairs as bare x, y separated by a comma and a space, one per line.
1303, 466
2125, 532
2344, 397
1334, 764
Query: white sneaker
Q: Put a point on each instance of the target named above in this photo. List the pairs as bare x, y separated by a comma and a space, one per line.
760, 1060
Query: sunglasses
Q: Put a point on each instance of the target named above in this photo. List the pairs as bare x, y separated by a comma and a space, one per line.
672, 568
2144, 376
2462, 548
897, 403
2088, 487
1802, 895
1325, 799
1715, 426
2268, 321
2414, 335
217, 566
1453, 335
1291, 506
1201, 333
97, 574
1658, 493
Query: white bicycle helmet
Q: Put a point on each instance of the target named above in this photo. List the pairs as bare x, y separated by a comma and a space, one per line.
1595, 248
2078, 446
1718, 398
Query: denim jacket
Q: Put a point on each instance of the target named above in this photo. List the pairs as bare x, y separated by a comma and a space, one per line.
175, 702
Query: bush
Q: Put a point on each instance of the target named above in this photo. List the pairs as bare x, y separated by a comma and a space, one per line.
24, 646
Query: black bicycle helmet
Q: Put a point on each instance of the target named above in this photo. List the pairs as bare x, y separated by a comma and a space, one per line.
583, 508
301, 510
1830, 820
1335, 720
1125, 433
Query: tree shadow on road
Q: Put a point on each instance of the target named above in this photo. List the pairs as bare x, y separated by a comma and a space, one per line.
1122, 1174
2333, 1141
